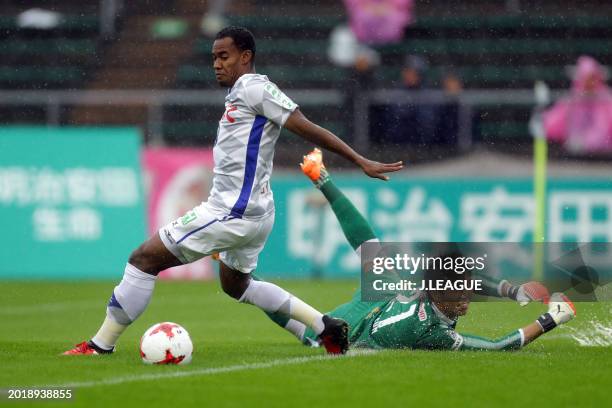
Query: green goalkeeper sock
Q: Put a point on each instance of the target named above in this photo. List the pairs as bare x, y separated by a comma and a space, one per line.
355, 227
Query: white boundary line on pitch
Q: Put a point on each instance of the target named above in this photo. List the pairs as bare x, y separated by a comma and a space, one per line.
207, 371
52, 307
48, 307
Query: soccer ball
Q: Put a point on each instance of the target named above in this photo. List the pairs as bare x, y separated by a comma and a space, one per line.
166, 343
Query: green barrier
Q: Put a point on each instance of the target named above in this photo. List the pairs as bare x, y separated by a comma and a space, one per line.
71, 202
414, 210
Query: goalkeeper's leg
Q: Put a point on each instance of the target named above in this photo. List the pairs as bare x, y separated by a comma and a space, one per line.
356, 228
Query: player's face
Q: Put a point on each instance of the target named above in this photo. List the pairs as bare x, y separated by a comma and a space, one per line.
459, 304
453, 303
229, 62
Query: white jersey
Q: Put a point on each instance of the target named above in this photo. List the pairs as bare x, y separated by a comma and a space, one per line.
255, 111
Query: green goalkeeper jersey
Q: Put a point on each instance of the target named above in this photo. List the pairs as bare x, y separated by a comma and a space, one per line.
409, 322
405, 323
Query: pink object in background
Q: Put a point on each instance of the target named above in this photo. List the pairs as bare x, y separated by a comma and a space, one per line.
582, 121
379, 21
177, 180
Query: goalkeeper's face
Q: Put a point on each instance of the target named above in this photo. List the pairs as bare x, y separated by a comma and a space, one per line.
454, 302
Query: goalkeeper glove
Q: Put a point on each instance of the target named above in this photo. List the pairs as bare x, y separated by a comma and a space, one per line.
528, 292
560, 310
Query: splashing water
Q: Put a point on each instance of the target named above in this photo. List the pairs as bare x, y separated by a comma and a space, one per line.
595, 334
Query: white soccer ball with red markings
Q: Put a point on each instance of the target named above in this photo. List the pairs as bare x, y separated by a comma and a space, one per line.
166, 343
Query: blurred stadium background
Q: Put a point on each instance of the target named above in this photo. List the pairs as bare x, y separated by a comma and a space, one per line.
109, 110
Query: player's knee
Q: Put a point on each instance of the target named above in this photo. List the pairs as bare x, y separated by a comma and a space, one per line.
233, 288
234, 283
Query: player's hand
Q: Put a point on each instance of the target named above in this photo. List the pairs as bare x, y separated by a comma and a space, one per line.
560, 310
529, 292
377, 170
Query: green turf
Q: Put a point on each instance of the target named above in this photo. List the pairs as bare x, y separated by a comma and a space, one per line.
42, 319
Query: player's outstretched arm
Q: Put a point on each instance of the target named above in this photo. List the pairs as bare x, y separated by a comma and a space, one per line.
560, 310
527, 292
301, 126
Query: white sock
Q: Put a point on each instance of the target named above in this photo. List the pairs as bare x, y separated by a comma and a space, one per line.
271, 298
296, 328
306, 314
133, 292
129, 299
109, 332
266, 296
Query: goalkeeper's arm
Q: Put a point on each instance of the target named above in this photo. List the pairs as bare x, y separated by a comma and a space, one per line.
560, 310
525, 293
512, 341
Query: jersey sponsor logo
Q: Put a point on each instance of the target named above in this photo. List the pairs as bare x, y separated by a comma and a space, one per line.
378, 324
187, 218
280, 97
422, 312
230, 108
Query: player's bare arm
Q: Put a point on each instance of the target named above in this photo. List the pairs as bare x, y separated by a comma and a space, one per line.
301, 126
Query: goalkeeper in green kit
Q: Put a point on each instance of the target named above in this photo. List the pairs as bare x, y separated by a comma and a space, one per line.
424, 319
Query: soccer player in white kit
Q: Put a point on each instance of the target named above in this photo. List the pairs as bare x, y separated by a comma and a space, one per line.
239, 214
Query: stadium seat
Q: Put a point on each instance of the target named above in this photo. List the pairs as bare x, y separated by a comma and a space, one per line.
60, 57
503, 130
268, 46
60, 46
504, 46
510, 21
53, 76
289, 23
284, 75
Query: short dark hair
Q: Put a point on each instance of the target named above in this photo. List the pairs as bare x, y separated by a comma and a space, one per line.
243, 38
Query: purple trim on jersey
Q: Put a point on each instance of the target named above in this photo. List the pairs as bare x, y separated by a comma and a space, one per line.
113, 302
194, 231
250, 166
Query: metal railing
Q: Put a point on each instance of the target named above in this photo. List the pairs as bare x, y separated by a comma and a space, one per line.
156, 100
